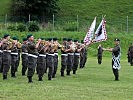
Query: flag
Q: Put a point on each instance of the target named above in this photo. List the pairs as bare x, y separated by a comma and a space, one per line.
100, 34
89, 36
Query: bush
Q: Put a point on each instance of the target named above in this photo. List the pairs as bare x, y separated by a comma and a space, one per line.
70, 26
33, 26
21, 27
11, 27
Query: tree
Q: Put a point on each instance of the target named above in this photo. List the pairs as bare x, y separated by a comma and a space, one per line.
41, 10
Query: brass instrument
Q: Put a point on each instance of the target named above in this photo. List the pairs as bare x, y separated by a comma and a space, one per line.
43, 42
10, 44
73, 47
63, 48
19, 45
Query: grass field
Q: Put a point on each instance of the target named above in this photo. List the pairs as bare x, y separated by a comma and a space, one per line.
94, 82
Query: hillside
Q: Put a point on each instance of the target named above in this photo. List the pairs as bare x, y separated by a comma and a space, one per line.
116, 12
4, 7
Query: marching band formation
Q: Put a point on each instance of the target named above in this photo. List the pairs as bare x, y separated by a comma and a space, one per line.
41, 56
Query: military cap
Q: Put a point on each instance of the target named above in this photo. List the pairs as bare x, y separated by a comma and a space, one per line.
24, 39
75, 40
14, 38
55, 39
49, 39
64, 39
116, 39
69, 39
6, 35
82, 41
29, 35
42, 38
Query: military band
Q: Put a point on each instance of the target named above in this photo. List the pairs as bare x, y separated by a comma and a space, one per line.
41, 55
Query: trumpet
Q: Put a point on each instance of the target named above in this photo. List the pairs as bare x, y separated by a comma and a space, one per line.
73, 47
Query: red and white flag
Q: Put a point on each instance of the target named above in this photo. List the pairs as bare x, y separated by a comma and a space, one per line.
100, 34
89, 36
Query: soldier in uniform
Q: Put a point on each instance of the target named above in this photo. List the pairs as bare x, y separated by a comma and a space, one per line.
24, 56
18, 60
32, 56
76, 56
83, 55
99, 54
14, 56
56, 46
50, 58
64, 56
1, 53
130, 51
116, 52
41, 60
70, 52
6, 60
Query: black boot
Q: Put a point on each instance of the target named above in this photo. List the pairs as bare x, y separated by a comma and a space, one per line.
49, 78
62, 73
74, 71
116, 78
23, 73
30, 79
4, 77
13, 75
53, 76
40, 79
68, 73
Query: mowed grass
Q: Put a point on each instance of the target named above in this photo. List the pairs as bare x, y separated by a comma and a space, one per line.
94, 82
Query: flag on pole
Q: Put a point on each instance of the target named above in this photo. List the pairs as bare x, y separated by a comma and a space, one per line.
89, 36
100, 34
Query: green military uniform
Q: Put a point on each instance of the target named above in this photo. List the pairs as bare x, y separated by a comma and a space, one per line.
50, 60
55, 57
70, 60
6, 59
83, 57
1, 54
64, 56
131, 54
76, 56
14, 57
32, 58
24, 56
41, 60
18, 60
99, 54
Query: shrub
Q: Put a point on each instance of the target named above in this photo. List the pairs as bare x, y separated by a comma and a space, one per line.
70, 26
21, 27
33, 26
11, 27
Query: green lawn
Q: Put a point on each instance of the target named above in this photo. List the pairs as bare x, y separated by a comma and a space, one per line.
94, 82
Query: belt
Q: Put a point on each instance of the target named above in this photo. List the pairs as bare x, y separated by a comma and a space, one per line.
51, 54
7, 50
64, 54
13, 53
56, 54
1, 51
32, 55
24, 53
77, 54
71, 54
42, 55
